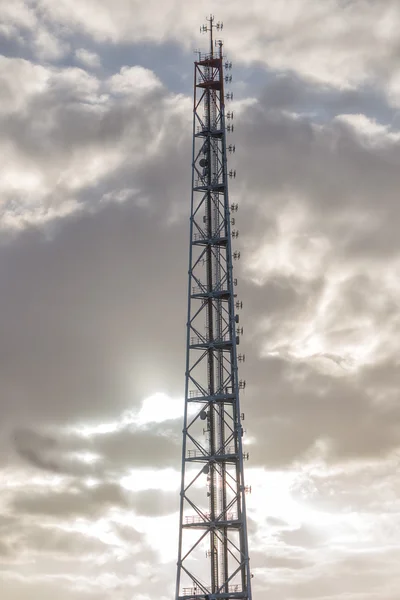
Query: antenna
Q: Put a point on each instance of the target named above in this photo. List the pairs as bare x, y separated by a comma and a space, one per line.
213, 556
208, 28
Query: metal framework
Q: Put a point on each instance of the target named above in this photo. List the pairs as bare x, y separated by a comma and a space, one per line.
213, 559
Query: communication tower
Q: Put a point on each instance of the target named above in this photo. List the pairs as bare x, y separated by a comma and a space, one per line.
213, 558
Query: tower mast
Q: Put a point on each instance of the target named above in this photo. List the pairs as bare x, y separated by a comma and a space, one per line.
213, 559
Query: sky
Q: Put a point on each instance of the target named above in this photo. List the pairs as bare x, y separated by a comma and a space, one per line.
95, 139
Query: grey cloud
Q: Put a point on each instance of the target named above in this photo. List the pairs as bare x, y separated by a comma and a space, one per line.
92, 297
330, 169
87, 142
78, 501
382, 374
164, 173
58, 543
275, 522
304, 536
148, 447
73, 279
22, 534
262, 560
287, 298
49, 538
288, 92
289, 407
18, 588
151, 503
93, 311
127, 533
88, 58
278, 294
332, 43
156, 445
343, 176
252, 525
295, 408
9, 544
348, 577
25, 33
35, 449
349, 490
4, 549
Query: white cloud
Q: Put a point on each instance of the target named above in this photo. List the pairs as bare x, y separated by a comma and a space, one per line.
341, 44
291, 250
84, 130
88, 58
22, 82
142, 479
48, 46
373, 132
134, 81
18, 14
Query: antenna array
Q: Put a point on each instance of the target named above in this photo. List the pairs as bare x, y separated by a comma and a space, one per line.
213, 560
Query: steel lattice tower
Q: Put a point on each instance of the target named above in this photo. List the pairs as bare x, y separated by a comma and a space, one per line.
213, 559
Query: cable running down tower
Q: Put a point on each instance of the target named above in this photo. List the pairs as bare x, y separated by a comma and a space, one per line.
213, 559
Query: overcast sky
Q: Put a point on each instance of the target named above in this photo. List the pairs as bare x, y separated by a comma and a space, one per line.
95, 122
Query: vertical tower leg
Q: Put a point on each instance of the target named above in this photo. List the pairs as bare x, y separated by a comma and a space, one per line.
213, 559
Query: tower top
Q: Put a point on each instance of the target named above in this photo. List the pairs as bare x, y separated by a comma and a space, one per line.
208, 28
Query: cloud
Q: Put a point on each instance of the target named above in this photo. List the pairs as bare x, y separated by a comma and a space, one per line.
316, 280
338, 43
85, 133
94, 215
155, 502
133, 80
105, 454
87, 58
78, 501
48, 46
301, 414
16, 17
